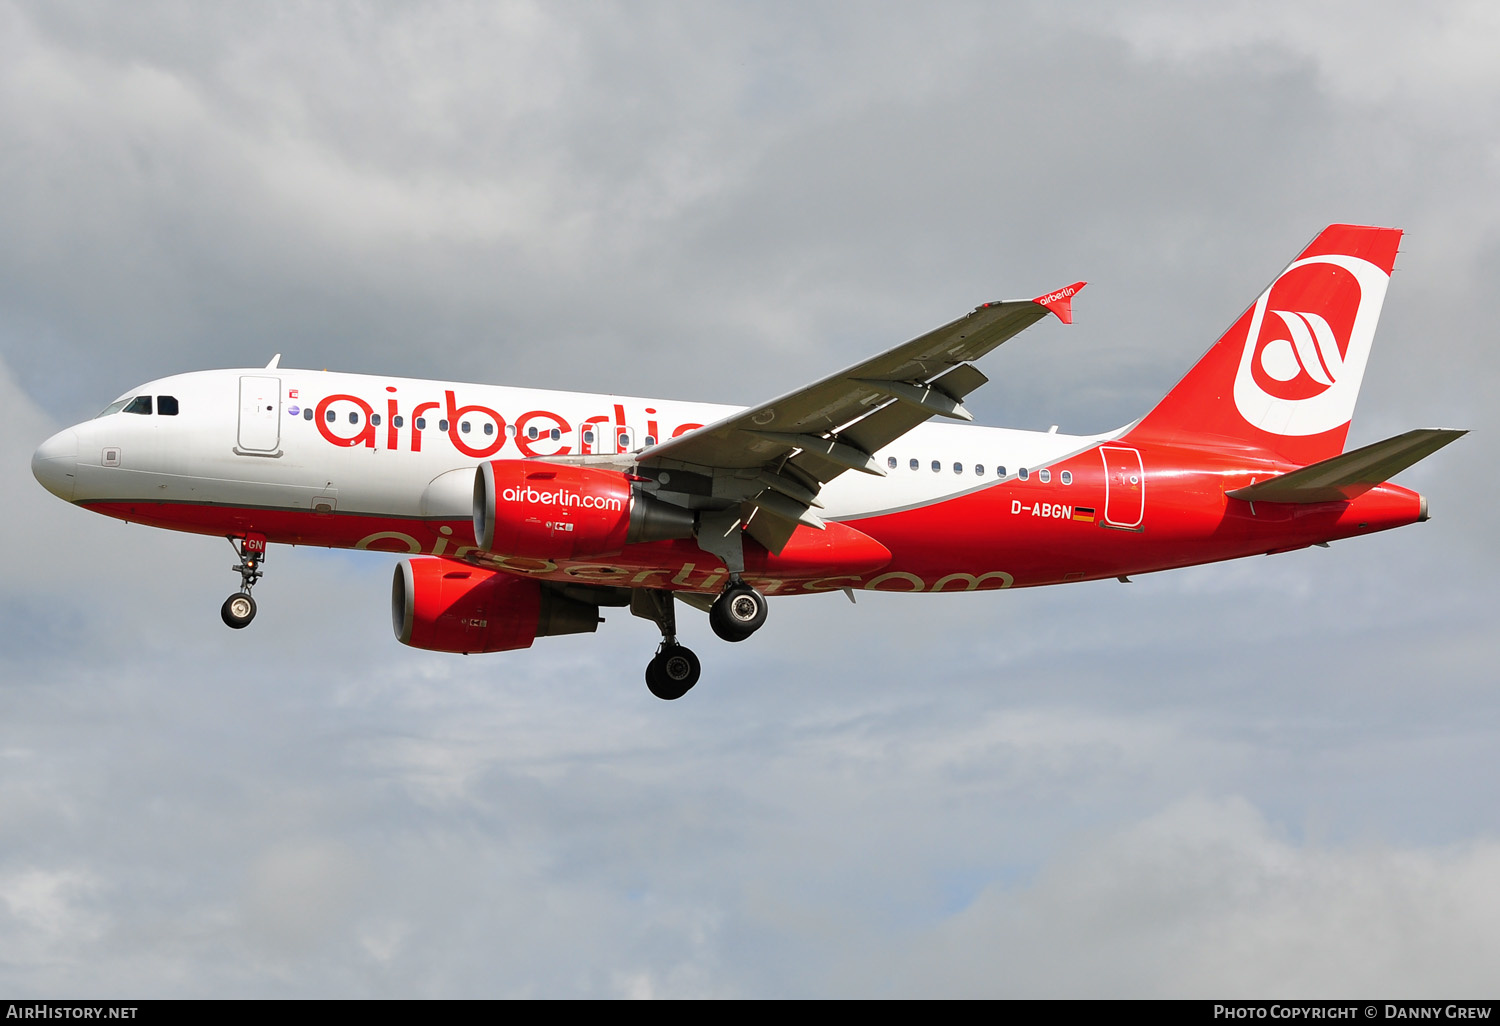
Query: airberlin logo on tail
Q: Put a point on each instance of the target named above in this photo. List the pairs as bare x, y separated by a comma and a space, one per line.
1309, 351
1307, 345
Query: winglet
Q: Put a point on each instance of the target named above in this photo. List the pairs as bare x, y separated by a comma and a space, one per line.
1061, 301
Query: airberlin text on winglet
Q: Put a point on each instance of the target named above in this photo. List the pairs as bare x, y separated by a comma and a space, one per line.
1061, 301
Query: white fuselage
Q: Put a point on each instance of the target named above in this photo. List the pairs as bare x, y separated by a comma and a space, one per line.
294, 439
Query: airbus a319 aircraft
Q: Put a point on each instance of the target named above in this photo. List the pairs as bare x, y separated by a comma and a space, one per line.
522, 513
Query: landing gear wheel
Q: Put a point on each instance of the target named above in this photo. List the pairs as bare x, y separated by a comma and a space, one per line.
672, 672
737, 613
238, 610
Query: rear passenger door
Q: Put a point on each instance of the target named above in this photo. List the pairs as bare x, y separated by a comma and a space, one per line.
1124, 488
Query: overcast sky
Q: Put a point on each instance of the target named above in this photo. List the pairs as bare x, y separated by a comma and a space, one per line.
1275, 777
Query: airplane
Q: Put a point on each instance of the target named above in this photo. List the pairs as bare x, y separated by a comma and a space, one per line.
523, 513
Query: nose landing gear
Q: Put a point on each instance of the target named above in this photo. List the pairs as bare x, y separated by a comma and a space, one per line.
239, 609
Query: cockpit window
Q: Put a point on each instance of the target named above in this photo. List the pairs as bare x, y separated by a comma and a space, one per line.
166, 405
140, 404
114, 407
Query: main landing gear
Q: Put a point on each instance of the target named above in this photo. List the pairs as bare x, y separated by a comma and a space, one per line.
737, 613
674, 669
239, 609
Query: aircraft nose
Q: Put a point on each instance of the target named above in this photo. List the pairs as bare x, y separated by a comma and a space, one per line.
55, 463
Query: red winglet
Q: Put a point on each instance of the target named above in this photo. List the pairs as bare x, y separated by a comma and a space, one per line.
1061, 301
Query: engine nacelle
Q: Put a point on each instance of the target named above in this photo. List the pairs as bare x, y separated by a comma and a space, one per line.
555, 511
447, 606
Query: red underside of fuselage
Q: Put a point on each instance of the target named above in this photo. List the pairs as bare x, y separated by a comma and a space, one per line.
1010, 534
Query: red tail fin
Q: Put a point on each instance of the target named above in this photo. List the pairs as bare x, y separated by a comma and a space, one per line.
1284, 378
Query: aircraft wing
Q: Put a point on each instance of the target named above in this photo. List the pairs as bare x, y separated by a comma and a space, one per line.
782, 452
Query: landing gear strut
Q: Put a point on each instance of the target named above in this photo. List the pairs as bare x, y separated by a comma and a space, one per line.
239, 609
738, 612
674, 669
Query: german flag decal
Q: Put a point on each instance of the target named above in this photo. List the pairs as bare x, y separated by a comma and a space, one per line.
1084, 513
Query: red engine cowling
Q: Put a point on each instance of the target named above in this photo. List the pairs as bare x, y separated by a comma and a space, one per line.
554, 511
446, 606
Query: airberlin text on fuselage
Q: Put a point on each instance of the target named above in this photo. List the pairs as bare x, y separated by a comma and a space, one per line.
371, 434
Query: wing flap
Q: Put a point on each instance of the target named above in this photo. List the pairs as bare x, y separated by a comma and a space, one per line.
770, 530
883, 427
1348, 475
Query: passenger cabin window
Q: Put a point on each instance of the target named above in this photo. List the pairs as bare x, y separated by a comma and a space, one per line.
915, 464
1023, 474
958, 468
650, 439
891, 462
443, 425
1045, 475
354, 416
140, 404
937, 466
330, 416
556, 435
1000, 471
489, 428
166, 405
979, 470
421, 423
1067, 477
398, 420
375, 419
307, 414
464, 427
532, 433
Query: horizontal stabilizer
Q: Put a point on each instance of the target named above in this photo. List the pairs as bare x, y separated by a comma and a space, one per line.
1343, 477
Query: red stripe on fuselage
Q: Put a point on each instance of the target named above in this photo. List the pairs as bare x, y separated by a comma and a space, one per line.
1009, 534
